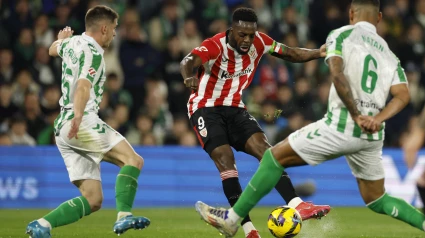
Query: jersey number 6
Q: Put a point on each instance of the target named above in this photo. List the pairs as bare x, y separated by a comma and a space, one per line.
366, 73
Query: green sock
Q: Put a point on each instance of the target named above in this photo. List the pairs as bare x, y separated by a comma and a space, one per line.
263, 181
69, 212
126, 188
399, 209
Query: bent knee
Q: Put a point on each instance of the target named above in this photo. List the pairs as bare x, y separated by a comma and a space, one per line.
95, 203
136, 161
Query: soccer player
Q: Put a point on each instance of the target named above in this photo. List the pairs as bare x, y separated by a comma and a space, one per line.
218, 71
83, 139
363, 71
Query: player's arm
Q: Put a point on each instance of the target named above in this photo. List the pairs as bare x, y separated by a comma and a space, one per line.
401, 97
200, 55
188, 68
298, 55
57, 46
342, 86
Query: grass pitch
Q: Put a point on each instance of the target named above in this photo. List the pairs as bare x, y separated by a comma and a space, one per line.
185, 223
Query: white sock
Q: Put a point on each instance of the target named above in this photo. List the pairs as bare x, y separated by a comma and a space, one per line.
123, 214
295, 202
233, 217
45, 223
248, 227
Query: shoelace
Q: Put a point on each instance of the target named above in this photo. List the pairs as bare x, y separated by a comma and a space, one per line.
218, 212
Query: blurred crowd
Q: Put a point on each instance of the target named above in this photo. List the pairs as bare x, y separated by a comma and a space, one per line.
145, 98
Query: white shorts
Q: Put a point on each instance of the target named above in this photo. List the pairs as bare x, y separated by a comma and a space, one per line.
317, 143
82, 156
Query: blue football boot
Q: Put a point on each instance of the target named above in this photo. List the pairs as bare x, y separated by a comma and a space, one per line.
35, 230
130, 222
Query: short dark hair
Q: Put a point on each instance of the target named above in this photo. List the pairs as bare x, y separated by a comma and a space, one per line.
244, 14
375, 3
99, 13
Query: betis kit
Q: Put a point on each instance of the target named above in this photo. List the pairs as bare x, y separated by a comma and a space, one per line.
83, 60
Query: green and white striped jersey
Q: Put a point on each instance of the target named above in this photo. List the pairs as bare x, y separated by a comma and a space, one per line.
82, 58
371, 69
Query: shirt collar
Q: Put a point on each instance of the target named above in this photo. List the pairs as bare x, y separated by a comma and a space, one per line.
366, 25
91, 40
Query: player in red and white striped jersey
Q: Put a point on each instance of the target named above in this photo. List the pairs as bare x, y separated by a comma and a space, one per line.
218, 71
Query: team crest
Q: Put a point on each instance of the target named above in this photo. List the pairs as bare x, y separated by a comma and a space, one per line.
253, 53
203, 132
92, 72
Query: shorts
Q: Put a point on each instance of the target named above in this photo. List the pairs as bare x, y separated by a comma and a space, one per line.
82, 156
317, 143
216, 126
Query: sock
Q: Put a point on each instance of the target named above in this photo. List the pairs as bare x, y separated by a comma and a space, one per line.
123, 214
399, 209
45, 223
126, 188
248, 227
68, 212
421, 191
295, 202
232, 189
268, 174
233, 216
285, 188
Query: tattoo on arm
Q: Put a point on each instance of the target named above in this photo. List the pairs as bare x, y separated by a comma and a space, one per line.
189, 65
298, 55
342, 85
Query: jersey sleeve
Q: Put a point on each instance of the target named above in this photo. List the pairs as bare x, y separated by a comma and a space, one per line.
399, 76
335, 42
271, 46
61, 47
207, 51
90, 61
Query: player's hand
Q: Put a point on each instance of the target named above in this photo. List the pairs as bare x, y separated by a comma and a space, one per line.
371, 124
75, 125
192, 82
65, 33
323, 51
412, 145
360, 121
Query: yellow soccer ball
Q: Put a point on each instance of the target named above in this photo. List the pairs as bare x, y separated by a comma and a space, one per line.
284, 222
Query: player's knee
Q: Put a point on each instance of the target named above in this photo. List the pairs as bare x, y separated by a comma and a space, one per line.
95, 203
136, 161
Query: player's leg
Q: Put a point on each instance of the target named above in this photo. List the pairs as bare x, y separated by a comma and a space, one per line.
249, 137
210, 127
373, 194
367, 167
420, 184
124, 156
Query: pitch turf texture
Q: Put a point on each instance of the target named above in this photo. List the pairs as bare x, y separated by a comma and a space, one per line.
185, 223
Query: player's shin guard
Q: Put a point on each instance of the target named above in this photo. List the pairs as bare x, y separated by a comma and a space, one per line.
232, 189
399, 209
69, 212
126, 188
285, 188
268, 174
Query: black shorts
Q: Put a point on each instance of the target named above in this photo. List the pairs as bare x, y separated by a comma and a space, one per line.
216, 126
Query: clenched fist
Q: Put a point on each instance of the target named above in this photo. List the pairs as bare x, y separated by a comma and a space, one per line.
192, 82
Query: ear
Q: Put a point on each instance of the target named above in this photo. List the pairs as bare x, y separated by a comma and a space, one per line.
351, 15
379, 17
103, 29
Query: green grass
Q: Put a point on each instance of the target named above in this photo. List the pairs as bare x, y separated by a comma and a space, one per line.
184, 222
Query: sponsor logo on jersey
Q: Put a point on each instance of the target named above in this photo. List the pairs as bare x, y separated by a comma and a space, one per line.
226, 75
92, 71
203, 132
369, 104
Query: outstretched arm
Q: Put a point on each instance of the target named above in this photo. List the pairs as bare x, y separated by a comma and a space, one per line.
62, 35
188, 69
298, 55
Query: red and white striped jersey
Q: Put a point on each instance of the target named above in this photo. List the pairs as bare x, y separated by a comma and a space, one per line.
225, 73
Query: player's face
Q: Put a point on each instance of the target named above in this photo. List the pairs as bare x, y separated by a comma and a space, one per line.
110, 33
243, 34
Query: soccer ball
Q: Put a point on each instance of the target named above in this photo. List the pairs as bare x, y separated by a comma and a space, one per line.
284, 222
